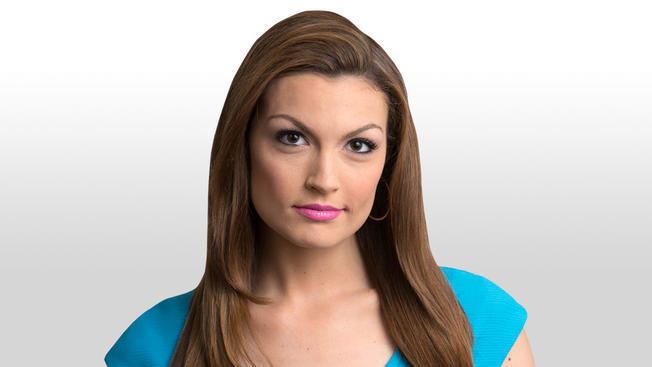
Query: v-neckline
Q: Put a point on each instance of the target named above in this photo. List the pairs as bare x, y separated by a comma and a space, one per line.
393, 356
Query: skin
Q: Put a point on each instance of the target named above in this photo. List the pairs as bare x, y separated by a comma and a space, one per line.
521, 353
313, 271
307, 260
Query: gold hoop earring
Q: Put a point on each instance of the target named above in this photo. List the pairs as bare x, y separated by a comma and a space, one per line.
389, 201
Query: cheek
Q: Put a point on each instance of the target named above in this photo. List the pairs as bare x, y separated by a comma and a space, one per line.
363, 190
271, 181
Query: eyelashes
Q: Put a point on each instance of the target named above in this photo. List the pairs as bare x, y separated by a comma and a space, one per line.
285, 132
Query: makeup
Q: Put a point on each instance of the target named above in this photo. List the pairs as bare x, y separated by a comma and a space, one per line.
318, 215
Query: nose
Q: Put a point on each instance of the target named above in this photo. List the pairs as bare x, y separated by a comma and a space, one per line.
322, 175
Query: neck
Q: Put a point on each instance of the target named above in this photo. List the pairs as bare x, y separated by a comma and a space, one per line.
293, 274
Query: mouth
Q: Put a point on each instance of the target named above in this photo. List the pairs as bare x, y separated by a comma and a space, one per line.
318, 215
319, 207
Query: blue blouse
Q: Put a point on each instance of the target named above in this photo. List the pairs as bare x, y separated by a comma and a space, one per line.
495, 317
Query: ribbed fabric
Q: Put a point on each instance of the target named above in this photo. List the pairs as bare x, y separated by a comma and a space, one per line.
495, 317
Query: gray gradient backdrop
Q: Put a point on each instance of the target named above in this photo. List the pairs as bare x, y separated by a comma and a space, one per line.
535, 128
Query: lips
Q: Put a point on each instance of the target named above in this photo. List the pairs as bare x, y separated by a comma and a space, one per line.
321, 207
318, 215
318, 212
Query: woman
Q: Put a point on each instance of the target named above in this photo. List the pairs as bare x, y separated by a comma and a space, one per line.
314, 139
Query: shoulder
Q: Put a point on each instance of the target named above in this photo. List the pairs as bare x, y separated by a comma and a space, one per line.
151, 338
496, 318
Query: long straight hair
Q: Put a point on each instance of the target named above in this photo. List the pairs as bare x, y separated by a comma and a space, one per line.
419, 309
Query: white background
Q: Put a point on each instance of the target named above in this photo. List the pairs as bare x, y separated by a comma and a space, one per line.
535, 132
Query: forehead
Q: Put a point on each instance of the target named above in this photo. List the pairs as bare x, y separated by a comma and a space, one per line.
313, 97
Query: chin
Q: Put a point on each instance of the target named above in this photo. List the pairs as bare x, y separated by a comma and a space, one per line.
310, 239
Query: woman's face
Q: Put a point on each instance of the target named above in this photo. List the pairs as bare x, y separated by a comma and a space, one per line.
326, 162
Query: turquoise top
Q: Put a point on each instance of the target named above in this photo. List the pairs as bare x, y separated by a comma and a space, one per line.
496, 319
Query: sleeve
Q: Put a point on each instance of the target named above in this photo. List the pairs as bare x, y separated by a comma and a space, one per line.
149, 341
496, 318
134, 348
498, 324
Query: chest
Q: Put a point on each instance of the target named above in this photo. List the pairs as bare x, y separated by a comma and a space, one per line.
350, 333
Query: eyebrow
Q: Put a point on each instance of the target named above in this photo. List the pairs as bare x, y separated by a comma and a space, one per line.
301, 126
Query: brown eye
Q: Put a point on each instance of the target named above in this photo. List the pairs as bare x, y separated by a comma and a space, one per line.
293, 136
358, 143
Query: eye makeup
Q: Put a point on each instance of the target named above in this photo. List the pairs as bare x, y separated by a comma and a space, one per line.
287, 132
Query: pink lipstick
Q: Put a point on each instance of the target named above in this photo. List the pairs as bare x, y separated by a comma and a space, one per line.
318, 212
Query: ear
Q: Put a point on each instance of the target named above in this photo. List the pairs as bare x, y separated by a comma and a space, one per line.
521, 354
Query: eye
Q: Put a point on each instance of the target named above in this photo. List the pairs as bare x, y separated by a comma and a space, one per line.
294, 136
372, 146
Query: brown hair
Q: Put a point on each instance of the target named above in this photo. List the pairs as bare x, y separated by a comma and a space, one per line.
418, 306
